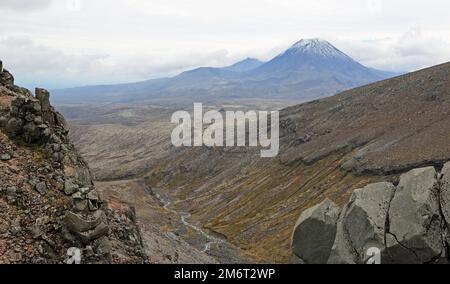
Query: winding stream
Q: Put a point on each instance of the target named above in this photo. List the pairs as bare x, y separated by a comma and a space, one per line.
184, 216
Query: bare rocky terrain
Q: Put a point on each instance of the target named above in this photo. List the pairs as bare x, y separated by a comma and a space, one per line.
134, 143
50, 209
329, 148
169, 236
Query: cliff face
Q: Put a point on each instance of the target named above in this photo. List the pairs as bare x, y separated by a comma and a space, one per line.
48, 202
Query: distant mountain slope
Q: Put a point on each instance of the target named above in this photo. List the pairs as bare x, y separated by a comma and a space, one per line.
245, 65
308, 70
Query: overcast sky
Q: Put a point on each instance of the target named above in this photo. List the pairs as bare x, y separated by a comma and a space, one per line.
60, 43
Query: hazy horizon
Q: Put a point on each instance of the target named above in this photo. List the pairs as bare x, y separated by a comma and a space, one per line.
57, 44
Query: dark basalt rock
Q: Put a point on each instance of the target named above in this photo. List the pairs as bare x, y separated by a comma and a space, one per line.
406, 224
314, 233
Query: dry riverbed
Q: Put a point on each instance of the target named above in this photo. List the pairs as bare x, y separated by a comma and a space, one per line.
169, 236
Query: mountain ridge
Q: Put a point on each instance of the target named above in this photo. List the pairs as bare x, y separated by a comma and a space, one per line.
309, 69
245, 65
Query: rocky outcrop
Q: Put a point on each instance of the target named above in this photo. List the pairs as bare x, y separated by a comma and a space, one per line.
362, 223
314, 233
6, 79
415, 221
40, 165
407, 223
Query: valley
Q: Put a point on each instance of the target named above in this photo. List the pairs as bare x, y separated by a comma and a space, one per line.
328, 148
169, 236
250, 134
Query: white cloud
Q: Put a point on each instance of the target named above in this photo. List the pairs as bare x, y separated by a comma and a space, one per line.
24, 5
105, 41
38, 65
412, 50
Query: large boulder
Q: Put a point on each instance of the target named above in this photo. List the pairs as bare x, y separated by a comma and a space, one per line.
14, 126
342, 251
79, 223
101, 230
25, 121
415, 231
61, 122
48, 113
87, 227
6, 78
315, 232
362, 224
31, 133
44, 98
366, 217
70, 187
404, 224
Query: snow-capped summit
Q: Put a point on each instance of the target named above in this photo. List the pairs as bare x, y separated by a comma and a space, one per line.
312, 60
316, 47
307, 42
